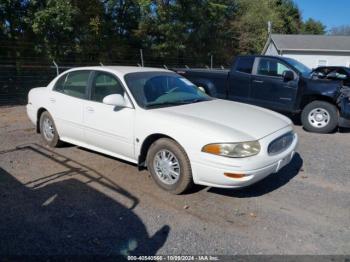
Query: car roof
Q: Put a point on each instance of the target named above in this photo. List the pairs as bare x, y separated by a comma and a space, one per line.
120, 70
281, 58
265, 56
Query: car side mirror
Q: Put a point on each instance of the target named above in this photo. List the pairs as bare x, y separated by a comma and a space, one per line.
115, 100
288, 75
202, 89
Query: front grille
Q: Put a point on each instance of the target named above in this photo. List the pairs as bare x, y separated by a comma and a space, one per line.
280, 144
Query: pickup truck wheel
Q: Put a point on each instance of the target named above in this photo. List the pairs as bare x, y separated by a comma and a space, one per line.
48, 130
169, 166
320, 117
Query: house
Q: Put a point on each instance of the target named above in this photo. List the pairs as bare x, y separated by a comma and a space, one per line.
311, 50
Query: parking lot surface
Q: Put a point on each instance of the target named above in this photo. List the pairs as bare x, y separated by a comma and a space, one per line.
74, 201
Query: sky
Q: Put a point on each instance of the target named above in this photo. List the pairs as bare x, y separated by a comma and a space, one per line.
330, 12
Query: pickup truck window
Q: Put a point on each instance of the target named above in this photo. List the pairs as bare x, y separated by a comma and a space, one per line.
271, 67
303, 69
245, 64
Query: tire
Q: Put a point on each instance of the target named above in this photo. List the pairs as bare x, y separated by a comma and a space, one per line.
174, 184
54, 140
327, 113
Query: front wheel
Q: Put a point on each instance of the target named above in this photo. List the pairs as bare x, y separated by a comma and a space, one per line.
169, 166
320, 117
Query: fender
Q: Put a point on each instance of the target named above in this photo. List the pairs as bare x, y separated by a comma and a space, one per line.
323, 88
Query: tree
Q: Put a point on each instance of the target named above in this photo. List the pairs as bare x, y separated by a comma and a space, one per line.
121, 21
162, 27
13, 29
290, 16
185, 28
88, 20
253, 16
170, 31
313, 27
53, 24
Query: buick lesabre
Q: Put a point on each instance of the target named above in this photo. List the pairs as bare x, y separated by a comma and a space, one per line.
161, 121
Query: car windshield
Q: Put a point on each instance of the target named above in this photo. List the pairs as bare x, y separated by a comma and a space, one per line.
159, 89
303, 69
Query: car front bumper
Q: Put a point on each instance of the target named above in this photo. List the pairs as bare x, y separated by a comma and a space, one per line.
209, 170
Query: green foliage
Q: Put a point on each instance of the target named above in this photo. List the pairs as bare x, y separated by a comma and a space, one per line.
313, 27
185, 28
251, 25
54, 24
13, 28
290, 16
170, 31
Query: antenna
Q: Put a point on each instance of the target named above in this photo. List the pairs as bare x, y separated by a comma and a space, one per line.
269, 27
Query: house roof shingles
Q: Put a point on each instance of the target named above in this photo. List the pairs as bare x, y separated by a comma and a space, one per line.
311, 42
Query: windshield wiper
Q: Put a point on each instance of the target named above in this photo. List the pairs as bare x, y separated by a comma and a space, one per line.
196, 100
176, 103
166, 104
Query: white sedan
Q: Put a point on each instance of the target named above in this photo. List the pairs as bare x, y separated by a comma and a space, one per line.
161, 121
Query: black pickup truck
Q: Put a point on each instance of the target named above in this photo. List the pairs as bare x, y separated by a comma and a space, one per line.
281, 84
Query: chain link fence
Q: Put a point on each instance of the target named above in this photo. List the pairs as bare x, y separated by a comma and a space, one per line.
18, 76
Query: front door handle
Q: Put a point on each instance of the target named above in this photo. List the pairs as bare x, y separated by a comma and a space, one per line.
52, 100
258, 81
90, 109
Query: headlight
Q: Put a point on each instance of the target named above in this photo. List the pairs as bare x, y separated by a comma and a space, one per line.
243, 149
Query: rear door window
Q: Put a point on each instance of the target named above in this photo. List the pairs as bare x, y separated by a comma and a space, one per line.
74, 83
60, 83
245, 64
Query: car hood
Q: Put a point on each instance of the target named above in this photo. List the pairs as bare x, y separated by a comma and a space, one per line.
324, 81
226, 119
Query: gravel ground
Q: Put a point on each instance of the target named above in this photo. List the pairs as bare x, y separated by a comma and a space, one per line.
73, 201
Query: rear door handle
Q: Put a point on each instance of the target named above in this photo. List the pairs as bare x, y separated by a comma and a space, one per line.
90, 109
258, 81
52, 100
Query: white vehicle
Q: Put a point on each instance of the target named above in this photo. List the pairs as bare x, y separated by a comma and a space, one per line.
161, 121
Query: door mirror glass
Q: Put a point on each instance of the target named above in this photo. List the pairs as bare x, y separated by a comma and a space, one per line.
287, 75
115, 100
202, 89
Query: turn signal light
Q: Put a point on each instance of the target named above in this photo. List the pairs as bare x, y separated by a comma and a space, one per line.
234, 175
212, 149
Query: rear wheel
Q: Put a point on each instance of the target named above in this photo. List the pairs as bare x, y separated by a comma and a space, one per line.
169, 166
48, 130
320, 117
